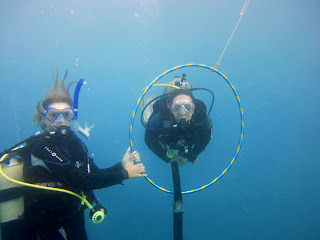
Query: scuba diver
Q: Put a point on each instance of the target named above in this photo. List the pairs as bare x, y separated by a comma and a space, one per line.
56, 158
179, 128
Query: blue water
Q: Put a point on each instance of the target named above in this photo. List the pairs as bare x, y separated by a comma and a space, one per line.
272, 190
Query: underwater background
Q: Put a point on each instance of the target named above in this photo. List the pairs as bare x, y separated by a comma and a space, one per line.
120, 46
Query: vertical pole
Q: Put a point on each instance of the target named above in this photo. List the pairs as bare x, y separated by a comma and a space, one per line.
177, 203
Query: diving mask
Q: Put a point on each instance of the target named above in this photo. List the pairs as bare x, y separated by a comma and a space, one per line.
182, 107
57, 114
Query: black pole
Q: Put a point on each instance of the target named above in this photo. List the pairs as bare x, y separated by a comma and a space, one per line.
178, 203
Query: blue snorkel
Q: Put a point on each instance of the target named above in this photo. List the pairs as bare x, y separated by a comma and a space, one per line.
76, 98
86, 131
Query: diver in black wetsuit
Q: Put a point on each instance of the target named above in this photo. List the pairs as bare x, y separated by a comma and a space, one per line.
179, 128
57, 158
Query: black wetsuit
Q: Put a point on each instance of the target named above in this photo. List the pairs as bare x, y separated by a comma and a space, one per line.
163, 132
61, 161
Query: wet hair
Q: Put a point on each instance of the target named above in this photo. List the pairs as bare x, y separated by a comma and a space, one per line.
58, 93
179, 92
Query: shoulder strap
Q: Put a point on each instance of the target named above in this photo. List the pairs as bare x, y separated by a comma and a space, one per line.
21, 147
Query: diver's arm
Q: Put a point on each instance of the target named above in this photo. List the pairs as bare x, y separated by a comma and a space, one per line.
151, 136
203, 139
129, 168
94, 167
153, 143
102, 178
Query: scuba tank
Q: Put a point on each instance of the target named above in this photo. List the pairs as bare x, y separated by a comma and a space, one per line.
11, 198
181, 82
11, 191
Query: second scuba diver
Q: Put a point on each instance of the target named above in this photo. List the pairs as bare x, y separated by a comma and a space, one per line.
56, 158
179, 128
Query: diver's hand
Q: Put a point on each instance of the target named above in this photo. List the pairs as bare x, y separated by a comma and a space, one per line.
130, 158
180, 160
84, 131
136, 170
183, 161
129, 161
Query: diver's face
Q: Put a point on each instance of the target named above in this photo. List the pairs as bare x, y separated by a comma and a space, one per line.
182, 107
58, 114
